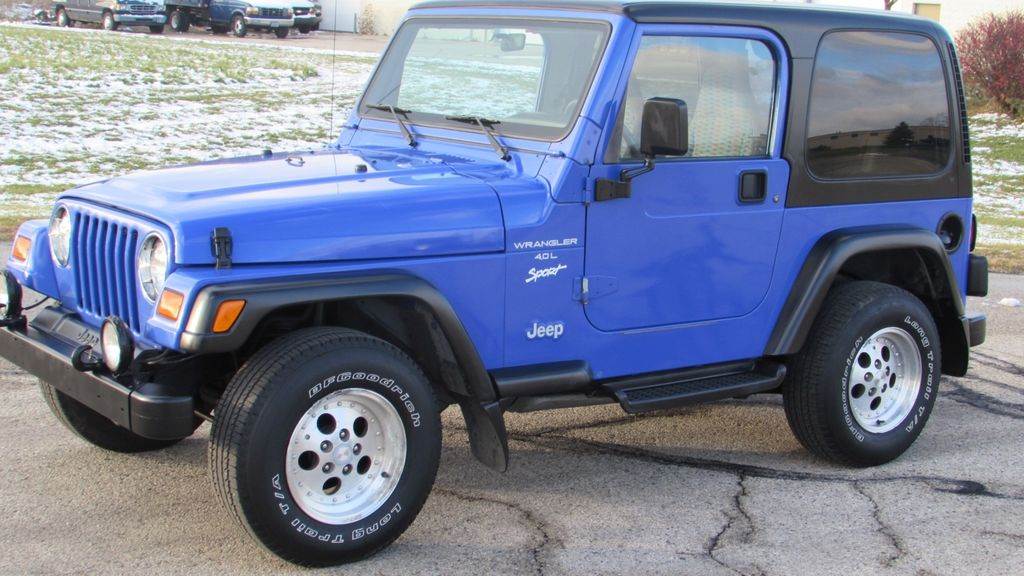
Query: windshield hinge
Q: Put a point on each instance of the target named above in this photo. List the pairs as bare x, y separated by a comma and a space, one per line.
586, 288
220, 244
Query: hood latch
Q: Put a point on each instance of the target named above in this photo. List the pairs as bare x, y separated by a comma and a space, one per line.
220, 244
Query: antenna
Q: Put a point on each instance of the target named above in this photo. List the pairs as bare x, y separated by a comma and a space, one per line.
334, 56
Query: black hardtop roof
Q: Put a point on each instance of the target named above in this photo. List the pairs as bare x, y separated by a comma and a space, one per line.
800, 25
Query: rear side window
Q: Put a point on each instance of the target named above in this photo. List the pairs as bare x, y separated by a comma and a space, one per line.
878, 108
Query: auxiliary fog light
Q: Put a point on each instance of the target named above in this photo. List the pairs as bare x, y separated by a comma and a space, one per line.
10, 296
116, 345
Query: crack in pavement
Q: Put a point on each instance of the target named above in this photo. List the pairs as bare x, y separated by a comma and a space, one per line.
964, 395
940, 484
1007, 535
998, 363
899, 550
538, 526
738, 513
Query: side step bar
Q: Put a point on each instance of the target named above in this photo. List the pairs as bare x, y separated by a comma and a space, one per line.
681, 390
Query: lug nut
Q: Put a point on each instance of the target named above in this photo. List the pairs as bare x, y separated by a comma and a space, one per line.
327, 468
343, 435
346, 469
326, 446
357, 449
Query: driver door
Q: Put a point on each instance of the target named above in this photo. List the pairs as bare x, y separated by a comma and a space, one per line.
696, 240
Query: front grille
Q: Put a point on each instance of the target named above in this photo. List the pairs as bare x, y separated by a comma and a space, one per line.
142, 8
103, 261
272, 12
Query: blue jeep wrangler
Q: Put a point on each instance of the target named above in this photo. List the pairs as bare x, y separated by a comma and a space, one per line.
533, 206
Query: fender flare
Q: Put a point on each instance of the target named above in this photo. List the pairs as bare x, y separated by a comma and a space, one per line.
480, 407
827, 257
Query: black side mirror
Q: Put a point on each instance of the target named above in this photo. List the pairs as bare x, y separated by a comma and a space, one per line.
664, 131
665, 128
513, 42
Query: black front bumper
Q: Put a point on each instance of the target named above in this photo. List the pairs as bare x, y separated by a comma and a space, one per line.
44, 348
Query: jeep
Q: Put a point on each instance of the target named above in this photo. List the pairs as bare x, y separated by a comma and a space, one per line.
533, 206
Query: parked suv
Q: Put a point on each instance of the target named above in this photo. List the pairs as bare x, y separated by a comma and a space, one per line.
235, 16
533, 206
111, 14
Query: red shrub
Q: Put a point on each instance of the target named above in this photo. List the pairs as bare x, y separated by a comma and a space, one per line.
992, 56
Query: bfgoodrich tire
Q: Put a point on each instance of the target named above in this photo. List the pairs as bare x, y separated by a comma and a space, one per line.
863, 387
325, 445
95, 428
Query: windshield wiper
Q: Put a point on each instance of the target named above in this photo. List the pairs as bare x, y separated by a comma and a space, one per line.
397, 114
487, 126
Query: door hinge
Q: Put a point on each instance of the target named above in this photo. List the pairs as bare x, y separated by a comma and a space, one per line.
586, 288
221, 246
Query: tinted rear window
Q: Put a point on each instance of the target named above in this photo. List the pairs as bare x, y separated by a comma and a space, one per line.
878, 107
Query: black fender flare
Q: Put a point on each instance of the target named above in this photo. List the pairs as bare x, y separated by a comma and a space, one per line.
827, 257
479, 403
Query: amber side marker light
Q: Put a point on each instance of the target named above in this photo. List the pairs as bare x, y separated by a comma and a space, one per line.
227, 314
22, 246
170, 304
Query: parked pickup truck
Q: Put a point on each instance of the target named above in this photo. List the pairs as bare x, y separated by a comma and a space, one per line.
236, 16
307, 15
534, 205
111, 14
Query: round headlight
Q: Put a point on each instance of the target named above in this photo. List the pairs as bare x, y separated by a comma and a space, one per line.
153, 266
60, 235
116, 345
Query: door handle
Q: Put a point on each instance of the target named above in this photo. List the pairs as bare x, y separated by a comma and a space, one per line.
753, 186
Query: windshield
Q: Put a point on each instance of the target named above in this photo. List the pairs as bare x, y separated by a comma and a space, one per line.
528, 77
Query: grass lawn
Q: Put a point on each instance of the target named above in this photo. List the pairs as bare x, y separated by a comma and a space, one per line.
81, 105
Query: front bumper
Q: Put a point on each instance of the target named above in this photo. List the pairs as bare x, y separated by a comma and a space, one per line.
44, 348
254, 22
307, 20
141, 19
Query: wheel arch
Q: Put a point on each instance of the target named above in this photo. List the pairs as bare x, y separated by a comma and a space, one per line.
912, 258
404, 310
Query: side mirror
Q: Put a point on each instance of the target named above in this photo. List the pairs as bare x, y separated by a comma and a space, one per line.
665, 128
513, 42
664, 131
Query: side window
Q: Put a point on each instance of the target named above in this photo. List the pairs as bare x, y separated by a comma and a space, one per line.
728, 85
878, 107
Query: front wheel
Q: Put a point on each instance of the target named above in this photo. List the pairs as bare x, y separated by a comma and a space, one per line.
238, 26
156, 29
95, 428
863, 387
281, 32
325, 445
304, 29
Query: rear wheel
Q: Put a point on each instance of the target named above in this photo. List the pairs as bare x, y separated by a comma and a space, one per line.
217, 29
863, 387
238, 27
95, 428
63, 20
108, 21
180, 21
325, 445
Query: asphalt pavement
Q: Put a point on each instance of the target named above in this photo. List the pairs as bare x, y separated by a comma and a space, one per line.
718, 489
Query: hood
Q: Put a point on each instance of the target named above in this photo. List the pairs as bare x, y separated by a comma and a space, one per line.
315, 206
270, 3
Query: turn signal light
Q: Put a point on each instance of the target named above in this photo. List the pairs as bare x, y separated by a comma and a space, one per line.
170, 304
227, 314
22, 246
